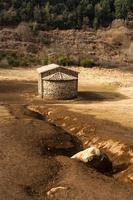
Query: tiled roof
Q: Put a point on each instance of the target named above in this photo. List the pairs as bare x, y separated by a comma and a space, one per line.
58, 73
59, 76
47, 68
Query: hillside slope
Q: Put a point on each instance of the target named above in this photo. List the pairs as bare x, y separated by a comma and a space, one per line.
106, 46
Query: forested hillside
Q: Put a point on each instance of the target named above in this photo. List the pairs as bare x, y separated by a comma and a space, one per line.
64, 14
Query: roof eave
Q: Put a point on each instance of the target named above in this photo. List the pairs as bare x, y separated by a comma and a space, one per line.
43, 70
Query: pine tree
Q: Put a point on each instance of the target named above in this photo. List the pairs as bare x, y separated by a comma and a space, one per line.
122, 7
64, 14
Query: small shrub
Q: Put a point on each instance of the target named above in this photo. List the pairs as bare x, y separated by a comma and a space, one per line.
130, 20
65, 61
15, 62
28, 59
34, 28
24, 62
2, 55
43, 57
45, 39
87, 62
10, 57
24, 31
45, 61
69, 61
118, 38
4, 63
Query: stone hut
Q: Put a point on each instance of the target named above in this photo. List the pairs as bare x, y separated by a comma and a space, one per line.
57, 82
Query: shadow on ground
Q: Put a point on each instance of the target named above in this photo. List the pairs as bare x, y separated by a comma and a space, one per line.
23, 91
86, 97
99, 96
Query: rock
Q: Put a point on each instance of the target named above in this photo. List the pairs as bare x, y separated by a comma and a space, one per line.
52, 191
87, 155
95, 158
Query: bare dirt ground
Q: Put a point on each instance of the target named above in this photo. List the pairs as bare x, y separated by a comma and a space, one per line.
38, 137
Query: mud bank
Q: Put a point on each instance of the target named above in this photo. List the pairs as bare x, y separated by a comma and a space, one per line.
35, 158
111, 137
28, 149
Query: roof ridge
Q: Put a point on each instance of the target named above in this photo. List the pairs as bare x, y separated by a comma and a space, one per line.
59, 76
50, 67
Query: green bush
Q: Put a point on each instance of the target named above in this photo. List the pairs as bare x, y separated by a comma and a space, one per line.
85, 62
11, 58
65, 61
2, 55
28, 59
16, 60
45, 61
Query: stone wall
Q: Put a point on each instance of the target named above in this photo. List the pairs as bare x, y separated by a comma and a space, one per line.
40, 84
60, 89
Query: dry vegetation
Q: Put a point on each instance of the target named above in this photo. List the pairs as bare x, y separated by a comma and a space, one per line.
106, 47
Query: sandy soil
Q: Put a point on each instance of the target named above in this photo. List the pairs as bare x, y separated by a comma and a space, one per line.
35, 148
108, 94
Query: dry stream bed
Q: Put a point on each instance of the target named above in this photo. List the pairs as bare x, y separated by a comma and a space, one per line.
38, 137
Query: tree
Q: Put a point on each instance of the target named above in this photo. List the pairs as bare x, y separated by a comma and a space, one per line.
64, 13
37, 14
130, 20
47, 11
122, 7
106, 15
98, 14
26, 11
